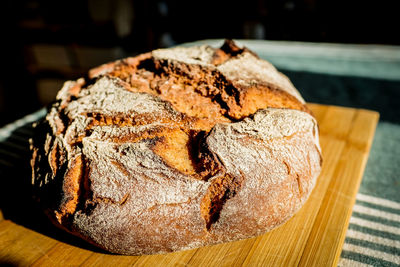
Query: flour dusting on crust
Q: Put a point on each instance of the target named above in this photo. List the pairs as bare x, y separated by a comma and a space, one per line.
104, 160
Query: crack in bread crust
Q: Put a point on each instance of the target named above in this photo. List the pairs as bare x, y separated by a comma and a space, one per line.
221, 189
207, 90
168, 146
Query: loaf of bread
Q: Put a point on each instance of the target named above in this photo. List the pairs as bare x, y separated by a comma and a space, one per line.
176, 149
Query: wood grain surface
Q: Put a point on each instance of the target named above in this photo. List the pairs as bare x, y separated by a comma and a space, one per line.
313, 237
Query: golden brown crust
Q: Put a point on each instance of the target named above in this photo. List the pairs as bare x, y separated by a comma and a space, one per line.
176, 149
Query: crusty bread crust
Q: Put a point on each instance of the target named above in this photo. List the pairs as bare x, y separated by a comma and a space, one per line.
176, 149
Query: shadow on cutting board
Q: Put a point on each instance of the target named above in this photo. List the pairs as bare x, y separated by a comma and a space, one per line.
16, 201
7, 264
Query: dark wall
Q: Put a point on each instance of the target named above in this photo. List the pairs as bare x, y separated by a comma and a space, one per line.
44, 43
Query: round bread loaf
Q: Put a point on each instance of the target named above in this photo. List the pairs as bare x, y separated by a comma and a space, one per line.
176, 149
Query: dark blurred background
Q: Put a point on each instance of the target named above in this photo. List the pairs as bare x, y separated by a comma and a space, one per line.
44, 43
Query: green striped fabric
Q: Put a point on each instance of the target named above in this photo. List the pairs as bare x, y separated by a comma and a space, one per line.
373, 237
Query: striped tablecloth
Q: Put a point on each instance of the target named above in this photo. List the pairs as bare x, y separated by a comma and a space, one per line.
373, 237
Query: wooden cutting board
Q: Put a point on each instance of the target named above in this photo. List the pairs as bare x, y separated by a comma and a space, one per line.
314, 236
